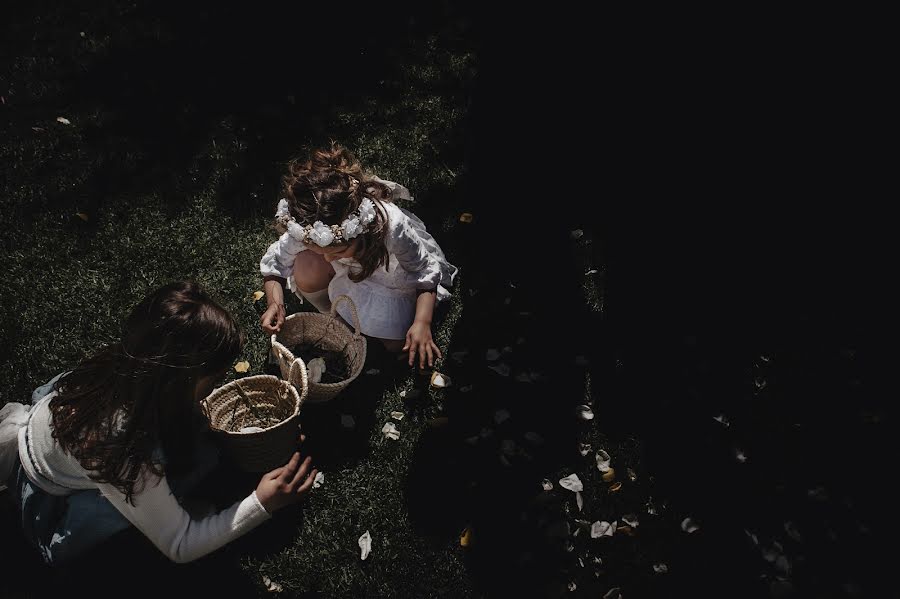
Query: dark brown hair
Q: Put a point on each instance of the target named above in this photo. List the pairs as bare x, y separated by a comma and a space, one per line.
137, 396
319, 188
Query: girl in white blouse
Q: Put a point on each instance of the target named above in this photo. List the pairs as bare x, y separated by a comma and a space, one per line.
343, 235
118, 441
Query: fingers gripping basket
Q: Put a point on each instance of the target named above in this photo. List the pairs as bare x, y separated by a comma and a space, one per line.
327, 332
258, 418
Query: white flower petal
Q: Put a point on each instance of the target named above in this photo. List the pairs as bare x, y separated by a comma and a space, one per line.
572, 483
631, 520
613, 593
603, 461
390, 431
63, 120
584, 448
688, 525
547, 485
579, 500
660, 568
319, 480
397, 415
722, 419
315, 368
365, 545
584, 412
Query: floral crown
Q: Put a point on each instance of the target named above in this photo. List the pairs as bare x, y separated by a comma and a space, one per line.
324, 235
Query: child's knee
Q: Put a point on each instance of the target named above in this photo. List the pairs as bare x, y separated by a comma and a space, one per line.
312, 272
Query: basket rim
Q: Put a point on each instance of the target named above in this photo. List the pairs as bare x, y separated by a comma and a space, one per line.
360, 339
233, 384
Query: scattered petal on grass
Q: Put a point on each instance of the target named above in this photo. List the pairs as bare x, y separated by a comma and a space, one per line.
390, 431
63, 120
631, 520
584, 448
739, 455
465, 539
577, 234
572, 483
272, 587
615, 487
501, 416
651, 509
466, 217
533, 437
373, 371
83, 216
82, 34
242, 366
397, 415
584, 412
315, 369
752, 537
465, 388
723, 420
632, 475
347, 421
439, 380
258, 295
609, 475
581, 361
492, 354
791, 529
603, 460
572, 586
613, 593
688, 525
501, 369
660, 568
365, 545
591, 271
603, 529
581, 562
579, 501
319, 480
547, 485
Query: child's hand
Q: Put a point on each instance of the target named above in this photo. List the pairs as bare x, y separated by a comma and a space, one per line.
272, 318
419, 341
286, 485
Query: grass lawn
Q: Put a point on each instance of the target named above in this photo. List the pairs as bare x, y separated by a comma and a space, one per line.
141, 144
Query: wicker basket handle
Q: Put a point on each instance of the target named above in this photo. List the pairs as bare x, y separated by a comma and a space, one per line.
297, 375
346, 298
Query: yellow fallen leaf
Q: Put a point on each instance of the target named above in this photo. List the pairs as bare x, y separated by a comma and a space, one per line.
242, 366
466, 217
258, 295
466, 538
82, 216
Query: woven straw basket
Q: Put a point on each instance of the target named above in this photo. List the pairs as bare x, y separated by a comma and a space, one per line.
327, 332
267, 403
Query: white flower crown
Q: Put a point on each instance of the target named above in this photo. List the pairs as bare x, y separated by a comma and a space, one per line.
324, 235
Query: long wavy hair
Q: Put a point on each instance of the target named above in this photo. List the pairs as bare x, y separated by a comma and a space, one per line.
318, 188
116, 408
